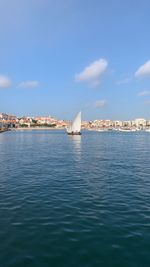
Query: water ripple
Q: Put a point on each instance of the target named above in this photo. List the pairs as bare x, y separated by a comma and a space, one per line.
81, 201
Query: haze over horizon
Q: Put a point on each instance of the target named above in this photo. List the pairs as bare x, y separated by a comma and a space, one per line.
59, 57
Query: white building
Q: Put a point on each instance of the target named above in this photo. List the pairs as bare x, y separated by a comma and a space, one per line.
117, 123
126, 124
148, 123
140, 122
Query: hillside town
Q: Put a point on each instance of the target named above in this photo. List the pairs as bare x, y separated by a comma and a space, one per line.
9, 121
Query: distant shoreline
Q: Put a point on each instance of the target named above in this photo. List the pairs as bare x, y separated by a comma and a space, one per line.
35, 128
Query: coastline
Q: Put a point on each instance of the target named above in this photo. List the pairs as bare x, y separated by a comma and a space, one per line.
35, 128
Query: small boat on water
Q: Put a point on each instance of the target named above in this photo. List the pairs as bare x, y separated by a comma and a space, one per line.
3, 130
102, 130
127, 130
124, 130
75, 126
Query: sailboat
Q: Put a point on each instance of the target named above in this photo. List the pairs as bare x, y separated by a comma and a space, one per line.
75, 126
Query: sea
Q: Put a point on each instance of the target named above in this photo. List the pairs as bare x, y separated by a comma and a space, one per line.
74, 201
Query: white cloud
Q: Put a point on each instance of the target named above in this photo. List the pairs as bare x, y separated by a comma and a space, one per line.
144, 93
143, 70
5, 82
93, 72
29, 84
100, 103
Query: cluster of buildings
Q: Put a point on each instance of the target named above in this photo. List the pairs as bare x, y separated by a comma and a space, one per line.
7, 121
12, 121
139, 123
28, 122
40, 122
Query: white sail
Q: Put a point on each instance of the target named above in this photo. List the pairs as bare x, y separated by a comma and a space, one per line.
75, 126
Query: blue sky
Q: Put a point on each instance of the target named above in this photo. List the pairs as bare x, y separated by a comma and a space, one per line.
61, 56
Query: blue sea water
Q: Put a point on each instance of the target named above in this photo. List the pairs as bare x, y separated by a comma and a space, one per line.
81, 201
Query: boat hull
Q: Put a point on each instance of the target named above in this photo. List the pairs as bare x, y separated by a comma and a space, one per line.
3, 130
73, 133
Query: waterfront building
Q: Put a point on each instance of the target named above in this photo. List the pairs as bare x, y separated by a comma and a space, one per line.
117, 124
3, 116
8, 120
101, 124
45, 120
148, 123
85, 124
127, 124
140, 122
